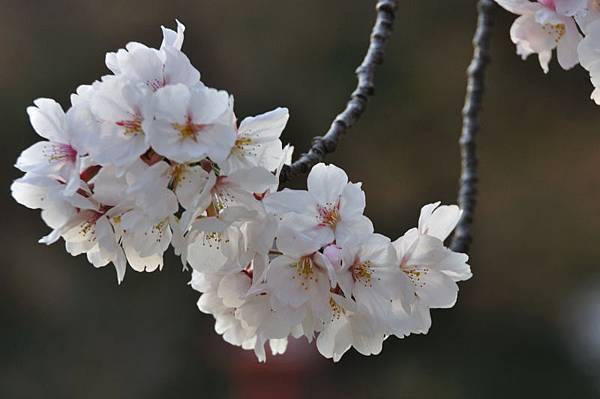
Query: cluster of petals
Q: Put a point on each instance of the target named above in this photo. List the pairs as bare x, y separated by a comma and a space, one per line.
572, 27
149, 157
329, 277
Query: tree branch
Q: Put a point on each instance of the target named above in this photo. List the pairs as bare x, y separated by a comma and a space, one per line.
321, 146
467, 194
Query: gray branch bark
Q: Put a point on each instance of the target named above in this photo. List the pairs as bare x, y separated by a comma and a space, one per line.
467, 194
365, 73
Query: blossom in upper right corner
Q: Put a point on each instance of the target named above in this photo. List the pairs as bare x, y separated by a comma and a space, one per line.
589, 56
545, 25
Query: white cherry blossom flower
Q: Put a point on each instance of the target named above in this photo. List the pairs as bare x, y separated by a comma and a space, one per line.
119, 106
60, 156
331, 210
150, 157
348, 327
301, 282
192, 185
155, 68
543, 26
257, 142
190, 124
371, 276
432, 268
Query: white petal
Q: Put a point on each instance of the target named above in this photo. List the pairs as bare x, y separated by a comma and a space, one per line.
300, 235
286, 200
439, 221
436, 290
48, 120
172, 38
232, 289
326, 183
567, 47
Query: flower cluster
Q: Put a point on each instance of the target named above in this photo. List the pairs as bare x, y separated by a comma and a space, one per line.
545, 25
149, 157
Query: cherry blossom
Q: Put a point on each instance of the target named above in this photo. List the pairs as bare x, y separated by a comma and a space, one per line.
331, 210
257, 142
149, 157
60, 156
589, 56
190, 124
543, 26
154, 68
432, 268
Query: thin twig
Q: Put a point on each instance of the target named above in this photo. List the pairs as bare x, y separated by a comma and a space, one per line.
467, 194
321, 146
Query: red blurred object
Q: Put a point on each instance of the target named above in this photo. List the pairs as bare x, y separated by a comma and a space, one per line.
284, 376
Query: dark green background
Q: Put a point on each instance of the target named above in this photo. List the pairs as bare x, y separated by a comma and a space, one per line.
68, 331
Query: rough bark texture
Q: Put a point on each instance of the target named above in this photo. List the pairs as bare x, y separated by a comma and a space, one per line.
467, 195
321, 146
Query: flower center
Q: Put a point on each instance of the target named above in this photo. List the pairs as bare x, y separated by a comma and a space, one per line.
213, 239
221, 196
131, 127
177, 174
363, 272
329, 215
336, 309
305, 271
240, 142
188, 130
416, 276
60, 152
556, 31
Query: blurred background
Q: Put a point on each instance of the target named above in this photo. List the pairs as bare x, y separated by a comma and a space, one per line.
527, 325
